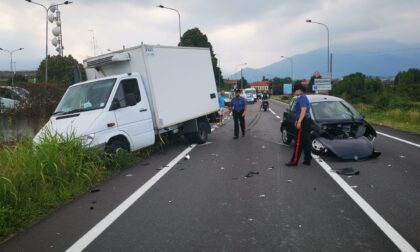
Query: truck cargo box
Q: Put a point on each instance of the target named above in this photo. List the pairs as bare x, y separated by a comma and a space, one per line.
179, 81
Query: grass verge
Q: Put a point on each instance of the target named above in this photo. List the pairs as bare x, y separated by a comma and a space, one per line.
282, 98
37, 179
397, 118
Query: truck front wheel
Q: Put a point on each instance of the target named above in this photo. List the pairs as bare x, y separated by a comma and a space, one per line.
115, 145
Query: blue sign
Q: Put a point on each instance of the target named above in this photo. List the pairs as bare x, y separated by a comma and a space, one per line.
287, 89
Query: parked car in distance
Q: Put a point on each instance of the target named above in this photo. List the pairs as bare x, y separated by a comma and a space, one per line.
337, 128
11, 97
253, 92
228, 98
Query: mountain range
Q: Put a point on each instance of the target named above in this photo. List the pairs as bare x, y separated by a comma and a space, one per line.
382, 58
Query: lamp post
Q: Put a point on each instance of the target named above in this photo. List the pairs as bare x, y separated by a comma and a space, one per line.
47, 9
236, 67
328, 43
291, 64
11, 60
179, 19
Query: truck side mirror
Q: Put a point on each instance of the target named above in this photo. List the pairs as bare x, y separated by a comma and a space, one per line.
131, 99
115, 104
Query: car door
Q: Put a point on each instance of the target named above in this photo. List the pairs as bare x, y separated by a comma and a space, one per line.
134, 119
289, 117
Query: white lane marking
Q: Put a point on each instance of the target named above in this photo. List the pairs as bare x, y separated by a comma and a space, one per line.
93, 233
272, 112
278, 117
398, 139
395, 237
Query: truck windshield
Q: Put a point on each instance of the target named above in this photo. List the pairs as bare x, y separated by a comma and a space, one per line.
251, 91
89, 96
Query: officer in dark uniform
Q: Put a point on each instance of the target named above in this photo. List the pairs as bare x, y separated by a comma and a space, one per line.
238, 108
303, 126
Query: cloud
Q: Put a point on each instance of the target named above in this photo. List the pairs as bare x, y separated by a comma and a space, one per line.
256, 32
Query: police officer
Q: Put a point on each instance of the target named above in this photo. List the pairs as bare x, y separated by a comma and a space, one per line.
303, 126
238, 108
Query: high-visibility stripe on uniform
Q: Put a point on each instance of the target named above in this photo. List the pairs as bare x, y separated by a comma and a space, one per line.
296, 157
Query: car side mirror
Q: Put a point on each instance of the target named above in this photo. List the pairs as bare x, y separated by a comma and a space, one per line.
115, 104
131, 99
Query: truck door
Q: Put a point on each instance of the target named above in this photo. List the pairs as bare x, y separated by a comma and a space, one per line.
133, 113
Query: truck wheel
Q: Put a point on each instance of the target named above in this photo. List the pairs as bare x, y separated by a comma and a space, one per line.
285, 136
116, 145
202, 134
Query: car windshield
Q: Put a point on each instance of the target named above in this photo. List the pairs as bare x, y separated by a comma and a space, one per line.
334, 111
89, 96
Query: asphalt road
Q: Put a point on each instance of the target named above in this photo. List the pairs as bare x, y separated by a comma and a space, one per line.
207, 203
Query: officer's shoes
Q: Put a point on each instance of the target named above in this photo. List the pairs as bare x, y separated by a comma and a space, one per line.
308, 163
235, 137
291, 164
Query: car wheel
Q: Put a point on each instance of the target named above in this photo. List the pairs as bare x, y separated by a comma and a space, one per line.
285, 136
318, 148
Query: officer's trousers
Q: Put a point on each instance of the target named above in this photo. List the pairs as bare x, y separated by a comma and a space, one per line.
238, 119
303, 141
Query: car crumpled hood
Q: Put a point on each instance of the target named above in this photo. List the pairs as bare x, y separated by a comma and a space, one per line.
350, 148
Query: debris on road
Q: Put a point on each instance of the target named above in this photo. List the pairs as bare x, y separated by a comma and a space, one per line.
372, 186
222, 168
129, 175
95, 190
261, 196
187, 157
389, 165
250, 219
91, 208
270, 168
289, 181
145, 164
402, 156
263, 147
354, 186
347, 171
251, 173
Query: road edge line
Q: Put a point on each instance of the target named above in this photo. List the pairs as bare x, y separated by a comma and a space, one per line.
389, 231
101, 226
398, 139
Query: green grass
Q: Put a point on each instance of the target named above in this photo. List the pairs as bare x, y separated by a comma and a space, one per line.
285, 99
397, 118
37, 179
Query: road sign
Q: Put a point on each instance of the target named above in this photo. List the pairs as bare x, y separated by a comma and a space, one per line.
323, 81
287, 89
321, 87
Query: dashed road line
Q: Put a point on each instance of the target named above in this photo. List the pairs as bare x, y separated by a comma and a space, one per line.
278, 117
272, 112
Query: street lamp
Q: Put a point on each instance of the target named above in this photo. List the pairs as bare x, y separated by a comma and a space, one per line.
291, 63
179, 19
236, 67
11, 60
47, 9
328, 43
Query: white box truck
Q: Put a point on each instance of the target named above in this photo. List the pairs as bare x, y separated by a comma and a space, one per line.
134, 94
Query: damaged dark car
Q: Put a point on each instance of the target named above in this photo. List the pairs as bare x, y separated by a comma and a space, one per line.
337, 128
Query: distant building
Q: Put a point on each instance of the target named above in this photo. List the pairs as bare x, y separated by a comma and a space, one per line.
261, 86
231, 83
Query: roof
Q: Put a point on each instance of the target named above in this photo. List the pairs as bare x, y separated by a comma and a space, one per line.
231, 82
260, 84
319, 98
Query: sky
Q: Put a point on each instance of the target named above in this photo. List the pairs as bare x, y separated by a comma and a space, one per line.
241, 31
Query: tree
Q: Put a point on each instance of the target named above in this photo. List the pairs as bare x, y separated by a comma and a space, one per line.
60, 70
17, 78
407, 84
244, 83
195, 38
